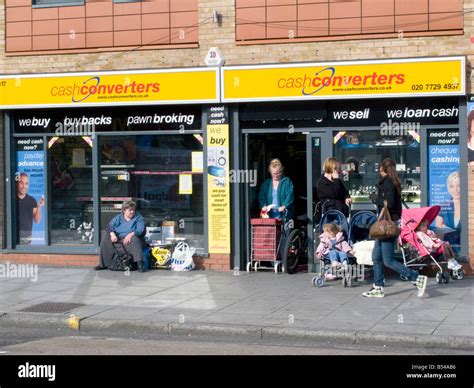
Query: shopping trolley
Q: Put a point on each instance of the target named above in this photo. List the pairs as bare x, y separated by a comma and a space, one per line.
265, 244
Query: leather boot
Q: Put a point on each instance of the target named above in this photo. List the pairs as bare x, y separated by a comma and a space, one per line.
141, 268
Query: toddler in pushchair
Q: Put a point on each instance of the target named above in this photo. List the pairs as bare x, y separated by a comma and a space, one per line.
333, 247
420, 246
331, 259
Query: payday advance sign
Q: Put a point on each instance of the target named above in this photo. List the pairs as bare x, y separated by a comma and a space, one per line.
29, 191
218, 179
197, 85
341, 80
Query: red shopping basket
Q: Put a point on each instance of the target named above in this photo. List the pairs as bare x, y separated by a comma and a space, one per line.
266, 233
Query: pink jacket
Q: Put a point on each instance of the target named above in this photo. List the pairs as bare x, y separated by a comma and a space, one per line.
325, 245
429, 240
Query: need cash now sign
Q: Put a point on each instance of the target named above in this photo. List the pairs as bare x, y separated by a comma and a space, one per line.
339, 80
176, 86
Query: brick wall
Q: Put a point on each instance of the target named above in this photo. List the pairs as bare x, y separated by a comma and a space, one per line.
223, 36
471, 215
99, 24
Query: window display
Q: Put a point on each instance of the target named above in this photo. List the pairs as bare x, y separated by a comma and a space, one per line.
360, 154
147, 169
70, 174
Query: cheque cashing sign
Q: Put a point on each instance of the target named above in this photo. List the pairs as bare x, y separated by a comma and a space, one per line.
361, 79
106, 88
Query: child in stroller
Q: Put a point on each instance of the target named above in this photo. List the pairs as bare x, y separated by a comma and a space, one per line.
412, 243
437, 246
326, 271
333, 246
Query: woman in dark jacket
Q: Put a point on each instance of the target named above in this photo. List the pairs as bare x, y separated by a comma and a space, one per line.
331, 191
389, 190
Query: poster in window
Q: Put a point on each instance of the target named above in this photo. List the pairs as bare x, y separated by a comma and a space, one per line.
30, 192
445, 184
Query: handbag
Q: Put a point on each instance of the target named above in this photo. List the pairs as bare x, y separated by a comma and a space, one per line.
122, 261
384, 228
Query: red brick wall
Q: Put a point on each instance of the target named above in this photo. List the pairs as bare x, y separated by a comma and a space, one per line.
214, 262
471, 216
259, 20
100, 24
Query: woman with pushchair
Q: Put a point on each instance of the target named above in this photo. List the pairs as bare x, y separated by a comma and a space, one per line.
331, 191
389, 192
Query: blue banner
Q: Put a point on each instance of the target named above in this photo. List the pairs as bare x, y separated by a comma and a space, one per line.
445, 183
30, 191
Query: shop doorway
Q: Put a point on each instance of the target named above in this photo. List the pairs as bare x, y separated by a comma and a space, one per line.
301, 154
291, 150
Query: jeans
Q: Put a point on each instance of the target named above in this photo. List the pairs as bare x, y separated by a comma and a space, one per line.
383, 254
335, 255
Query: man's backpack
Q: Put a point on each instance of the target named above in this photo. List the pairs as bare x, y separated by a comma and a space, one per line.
121, 259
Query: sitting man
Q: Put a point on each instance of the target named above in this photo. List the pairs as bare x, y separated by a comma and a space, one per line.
127, 228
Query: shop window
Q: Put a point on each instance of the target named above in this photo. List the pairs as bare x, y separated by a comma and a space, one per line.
360, 154
163, 174
30, 191
444, 181
70, 175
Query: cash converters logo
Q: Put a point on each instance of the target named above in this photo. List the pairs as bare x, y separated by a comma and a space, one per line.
93, 86
310, 85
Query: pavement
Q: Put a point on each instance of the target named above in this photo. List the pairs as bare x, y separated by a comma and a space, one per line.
260, 305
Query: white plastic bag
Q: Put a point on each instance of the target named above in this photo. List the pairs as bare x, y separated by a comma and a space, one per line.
363, 252
182, 258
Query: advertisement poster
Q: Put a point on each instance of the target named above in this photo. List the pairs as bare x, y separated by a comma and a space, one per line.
470, 130
30, 191
445, 184
218, 180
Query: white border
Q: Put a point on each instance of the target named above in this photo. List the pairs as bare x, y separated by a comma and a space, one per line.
116, 72
462, 92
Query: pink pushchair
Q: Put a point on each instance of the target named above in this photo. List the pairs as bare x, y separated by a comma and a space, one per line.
414, 253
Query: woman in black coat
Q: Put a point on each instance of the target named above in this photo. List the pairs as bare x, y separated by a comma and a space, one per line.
331, 191
389, 191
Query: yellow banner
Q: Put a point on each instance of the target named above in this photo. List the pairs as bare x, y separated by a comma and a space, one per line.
403, 77
89, 89
219, 188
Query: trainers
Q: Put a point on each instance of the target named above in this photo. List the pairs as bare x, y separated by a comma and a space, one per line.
421, 281
99, 268
375, 292
330, 276
454, 265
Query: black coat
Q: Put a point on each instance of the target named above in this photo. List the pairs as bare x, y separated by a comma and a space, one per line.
387, 191
332, 194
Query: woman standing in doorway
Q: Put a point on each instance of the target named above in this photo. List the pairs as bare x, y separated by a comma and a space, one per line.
331, 191
389, 190
276, 194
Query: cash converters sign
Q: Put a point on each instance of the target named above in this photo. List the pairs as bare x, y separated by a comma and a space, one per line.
403, 77
86, 89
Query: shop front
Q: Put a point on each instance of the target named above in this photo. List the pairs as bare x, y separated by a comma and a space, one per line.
303, 114
74, 154
192, 148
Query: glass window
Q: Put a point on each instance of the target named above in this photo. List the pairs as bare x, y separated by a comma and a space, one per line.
444, 181
163, 174
70, 174
57, 2
30, 191
360, 154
